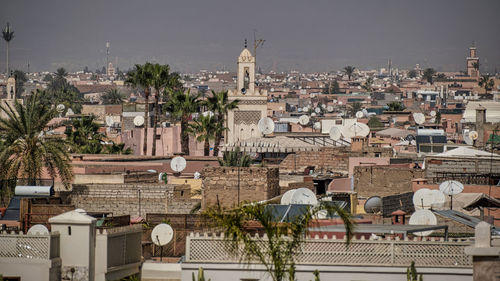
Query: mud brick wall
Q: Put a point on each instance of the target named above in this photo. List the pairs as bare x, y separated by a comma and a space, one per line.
222, 182
384, 180
334, 159
456, 166
181, 202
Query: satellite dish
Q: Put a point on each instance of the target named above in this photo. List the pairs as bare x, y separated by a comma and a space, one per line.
317, 110
433, 120
373, 205
60, 108
365, 112
425, 198
304, 120
359, 114
419, 118
340, 102
329, 108
299, 109
266, 125
38, 229
304, 196
197, 175
162, 234
335, 133
178, 164
323, 106
138, 121
109, 121
433, 113
313, 114
473, 135
423, 217
317, 126
305, 109
451, 187
286, 199
356, 130
69, 112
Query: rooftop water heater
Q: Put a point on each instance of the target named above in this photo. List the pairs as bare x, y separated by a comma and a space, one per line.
34, 191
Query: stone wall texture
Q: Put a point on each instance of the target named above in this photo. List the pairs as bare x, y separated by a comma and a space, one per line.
335, 159
384, 180
435, 165
220, 184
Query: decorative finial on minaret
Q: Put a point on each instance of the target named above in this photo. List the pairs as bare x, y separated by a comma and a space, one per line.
246, 43
473, 43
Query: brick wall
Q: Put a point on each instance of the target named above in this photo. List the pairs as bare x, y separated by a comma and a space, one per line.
384, 180
334, 159
222, 182
436, 165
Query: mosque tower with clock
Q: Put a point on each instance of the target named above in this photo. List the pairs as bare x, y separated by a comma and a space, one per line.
242, 122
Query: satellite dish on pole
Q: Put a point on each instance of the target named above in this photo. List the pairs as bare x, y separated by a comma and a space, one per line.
356, 130
425, 198
138, 121
329, 108
304, 196
286, 199
373, 205
317, 110
359, 114
266, 125
69, 112
317, 125
60, 108
473, 135
365, 112
419, 118
335, 133
451, 188
304, 120
178, 164
161, 235
38, 229
433, 113
423, 217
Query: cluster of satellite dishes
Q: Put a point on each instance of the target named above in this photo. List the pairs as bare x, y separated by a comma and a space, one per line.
355, 129
60, 109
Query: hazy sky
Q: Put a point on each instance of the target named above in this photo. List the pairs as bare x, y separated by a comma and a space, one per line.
208, 34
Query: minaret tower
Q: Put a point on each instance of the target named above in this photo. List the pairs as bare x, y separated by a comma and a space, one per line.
473, 62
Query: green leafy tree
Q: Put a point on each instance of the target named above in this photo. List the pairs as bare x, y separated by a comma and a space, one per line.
117, 148
141, 77
412, 73
411, 273
181, 104
349, 71
368, 85
355, 107
374, 122
220, 105
7, 35
428, 75
28, 151
395, 106
334, 88
486, 82
282, 241
84, 135
475, 65
235, 158
112, 97
204, 129
60, 91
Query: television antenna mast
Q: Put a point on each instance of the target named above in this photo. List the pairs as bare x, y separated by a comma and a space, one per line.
107, 56
256, 43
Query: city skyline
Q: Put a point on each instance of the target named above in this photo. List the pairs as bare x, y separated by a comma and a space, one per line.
194, 35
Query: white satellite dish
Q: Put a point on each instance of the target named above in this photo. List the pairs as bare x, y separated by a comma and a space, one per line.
329, 108
359, 114
419, 118
138, 121
161, 177
304, 120
60, 108
162, 234
340, 102
433, 113
266, 125
304, 196
317, 125
109, 121
178, 164
426, 198
305, 109
313, 114
197, 175
335, 133
473, 135
433, 120
317, 110
39, 229
323, 106
356, 130
69, 112
299, 109
451, 187
286, 199
365, 112
423, 217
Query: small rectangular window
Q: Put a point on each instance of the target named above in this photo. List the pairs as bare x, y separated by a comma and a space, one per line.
69, 230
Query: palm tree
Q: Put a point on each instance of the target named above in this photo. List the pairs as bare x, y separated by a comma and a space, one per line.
204, 129
61, 73
395, 106
368, 85
428, 75
112, 96
85, 136
181, 104
281, 242
28, 151
355, 107
117, 148
486, 82
219, 103
235, 158
142, 77
349, 71
7, 35
475, 65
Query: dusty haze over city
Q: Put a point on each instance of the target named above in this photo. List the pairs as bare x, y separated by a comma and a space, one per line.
301, 35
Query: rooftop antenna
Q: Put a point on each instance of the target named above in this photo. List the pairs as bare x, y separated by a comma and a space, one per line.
107, 57
451, 188
256, 43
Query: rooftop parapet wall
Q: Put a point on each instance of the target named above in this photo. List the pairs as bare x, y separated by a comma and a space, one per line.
384, 180
27, 246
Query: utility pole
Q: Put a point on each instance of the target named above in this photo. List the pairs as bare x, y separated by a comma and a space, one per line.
107, 57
